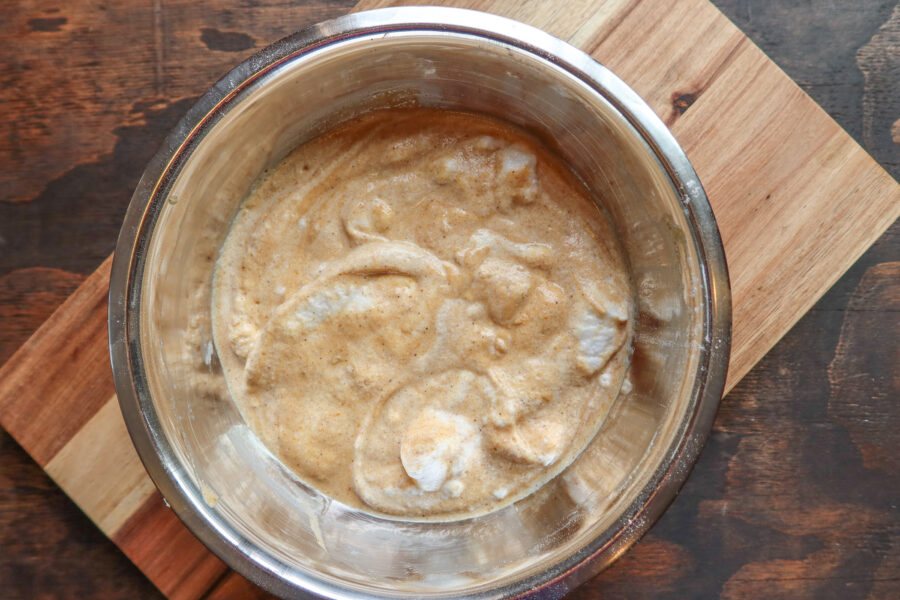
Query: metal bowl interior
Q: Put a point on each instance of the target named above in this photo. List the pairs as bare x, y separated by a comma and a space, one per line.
239, 499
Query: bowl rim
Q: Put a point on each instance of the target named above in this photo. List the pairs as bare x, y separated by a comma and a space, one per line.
125, 289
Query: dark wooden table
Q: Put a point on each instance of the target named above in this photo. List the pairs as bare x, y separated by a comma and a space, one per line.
797, 492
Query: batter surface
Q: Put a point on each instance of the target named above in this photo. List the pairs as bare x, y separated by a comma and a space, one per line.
422, 313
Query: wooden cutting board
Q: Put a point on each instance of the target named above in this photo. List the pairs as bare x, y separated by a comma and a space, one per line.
797, 201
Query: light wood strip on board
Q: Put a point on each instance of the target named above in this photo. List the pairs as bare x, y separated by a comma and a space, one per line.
100, 470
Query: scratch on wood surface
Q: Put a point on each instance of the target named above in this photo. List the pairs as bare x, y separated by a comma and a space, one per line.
879, 61
159, 56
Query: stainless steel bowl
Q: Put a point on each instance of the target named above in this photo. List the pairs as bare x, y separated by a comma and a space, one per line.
241, 501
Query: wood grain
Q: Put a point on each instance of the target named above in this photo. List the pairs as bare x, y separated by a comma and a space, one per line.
27, 298
672, 71
796, 202
168, 554
50, 549
876, 435
845, 55
838, 544
82, 467
60, 377
64, 56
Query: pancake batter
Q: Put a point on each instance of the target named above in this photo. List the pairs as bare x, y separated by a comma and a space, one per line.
422, 313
